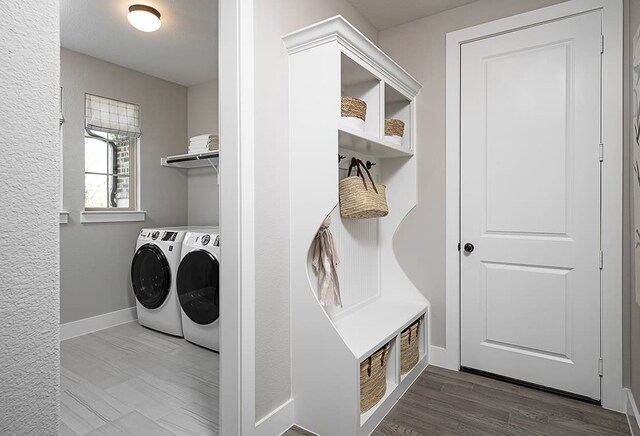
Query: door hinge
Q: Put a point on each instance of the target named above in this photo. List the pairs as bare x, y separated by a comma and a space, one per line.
600, 366
458, 246
601, 43
601, 259
601, 152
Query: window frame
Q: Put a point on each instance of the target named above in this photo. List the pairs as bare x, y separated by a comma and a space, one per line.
134, 146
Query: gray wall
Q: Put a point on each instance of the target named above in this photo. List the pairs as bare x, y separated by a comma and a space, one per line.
273, 19
204, 192
633, 315
29, 203
419, 47
95, 258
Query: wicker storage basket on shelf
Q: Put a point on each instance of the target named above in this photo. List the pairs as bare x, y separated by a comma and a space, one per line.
393, 127
409, 347
373, 378
353, 107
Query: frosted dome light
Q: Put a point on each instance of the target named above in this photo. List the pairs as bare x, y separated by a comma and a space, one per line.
144, 18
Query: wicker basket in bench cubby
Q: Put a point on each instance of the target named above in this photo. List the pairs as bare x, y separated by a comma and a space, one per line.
373, 378
410, 347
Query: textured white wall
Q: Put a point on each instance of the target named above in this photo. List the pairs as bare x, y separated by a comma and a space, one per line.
204, 192
29, 197
273, 19
419, 46
96, 258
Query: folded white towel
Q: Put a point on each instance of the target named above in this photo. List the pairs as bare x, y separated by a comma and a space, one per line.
201, 137
199, 144
203, 147
193, 150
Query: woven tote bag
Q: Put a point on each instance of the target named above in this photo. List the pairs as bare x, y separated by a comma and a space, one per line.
359, 198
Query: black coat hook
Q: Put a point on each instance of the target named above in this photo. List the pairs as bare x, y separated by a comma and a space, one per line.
340, 157
370, 164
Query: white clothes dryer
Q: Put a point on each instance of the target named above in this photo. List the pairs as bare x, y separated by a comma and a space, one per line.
198, 288
153, 270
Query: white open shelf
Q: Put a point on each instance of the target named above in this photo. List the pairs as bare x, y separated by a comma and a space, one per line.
363, 142
198, 160
368, 327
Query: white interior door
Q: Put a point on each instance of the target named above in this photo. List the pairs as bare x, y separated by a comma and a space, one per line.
530, 204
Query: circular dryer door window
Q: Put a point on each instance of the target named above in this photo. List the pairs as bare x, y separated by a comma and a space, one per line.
150, 276
198, 286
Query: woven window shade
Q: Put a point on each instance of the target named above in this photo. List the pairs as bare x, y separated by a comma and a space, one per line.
112, 116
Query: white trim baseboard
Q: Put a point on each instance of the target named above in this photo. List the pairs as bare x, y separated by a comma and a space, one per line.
438, 356
632, 413
276, 422
85, 326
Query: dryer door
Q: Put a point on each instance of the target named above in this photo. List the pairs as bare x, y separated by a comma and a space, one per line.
198, 286
150, 276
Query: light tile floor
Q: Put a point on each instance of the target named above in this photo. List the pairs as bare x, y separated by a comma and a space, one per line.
129, 380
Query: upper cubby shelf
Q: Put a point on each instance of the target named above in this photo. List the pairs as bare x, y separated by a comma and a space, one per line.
369, 144
385, 104
207, 159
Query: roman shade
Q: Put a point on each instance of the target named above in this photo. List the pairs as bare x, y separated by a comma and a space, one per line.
112, 116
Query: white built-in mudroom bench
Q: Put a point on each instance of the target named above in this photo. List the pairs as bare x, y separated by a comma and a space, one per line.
327, 61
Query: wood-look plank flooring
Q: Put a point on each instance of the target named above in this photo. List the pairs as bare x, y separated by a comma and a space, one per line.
443, 402
129, 380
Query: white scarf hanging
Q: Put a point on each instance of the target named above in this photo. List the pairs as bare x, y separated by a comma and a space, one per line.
325, 261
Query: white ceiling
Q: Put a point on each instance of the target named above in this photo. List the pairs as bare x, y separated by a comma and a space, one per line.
388, 13
184, 50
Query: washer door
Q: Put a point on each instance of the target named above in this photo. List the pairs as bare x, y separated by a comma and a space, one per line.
198, 285
150, 276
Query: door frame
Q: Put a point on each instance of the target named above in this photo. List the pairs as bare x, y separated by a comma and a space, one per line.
237, 268
612, 393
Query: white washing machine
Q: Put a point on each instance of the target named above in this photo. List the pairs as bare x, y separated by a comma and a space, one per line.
153, 273
198, 288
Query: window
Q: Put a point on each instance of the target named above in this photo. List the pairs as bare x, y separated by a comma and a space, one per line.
110, 147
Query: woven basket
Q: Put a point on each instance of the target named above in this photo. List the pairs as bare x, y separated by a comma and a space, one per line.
409, 347
393, 127
353, 107
360, 197
373, 378
358, 202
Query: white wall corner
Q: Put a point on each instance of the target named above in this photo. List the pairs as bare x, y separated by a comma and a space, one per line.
276, 422
631, 409
100, 322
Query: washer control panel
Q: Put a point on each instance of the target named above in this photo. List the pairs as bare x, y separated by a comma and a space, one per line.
206, 239
154, 235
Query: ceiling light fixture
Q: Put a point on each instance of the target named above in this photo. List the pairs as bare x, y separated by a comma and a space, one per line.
144, 18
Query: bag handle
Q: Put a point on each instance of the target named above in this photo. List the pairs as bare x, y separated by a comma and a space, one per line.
357, 164
369, 360
354, 164
417, 326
